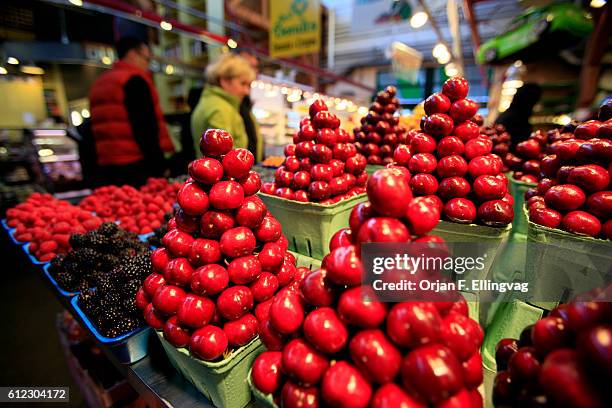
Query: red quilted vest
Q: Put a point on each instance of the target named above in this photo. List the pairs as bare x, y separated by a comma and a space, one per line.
115, 143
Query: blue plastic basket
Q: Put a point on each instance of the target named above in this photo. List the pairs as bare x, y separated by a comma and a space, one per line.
128, 348
26, 249
54, 282
11, 232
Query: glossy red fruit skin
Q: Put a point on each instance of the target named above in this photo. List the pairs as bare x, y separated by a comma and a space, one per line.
438, 124
195, 311
375, 356
297, 396
209, 280
153, 318
266, 372
424, 184
450, 145
422, 163
264, 287
214, 223
431, 372
496, 213
450, 166
463, 109
317, 106
159, 259
175, 334
590, 177
391, 395
325, 331
383, 229
238, 162
192, 199
412, 324
472, 371
215, 143
488, 187
582, 315
177, 242
466, 131
422, 143
564, 379
524, 365
303, 363
271, 256
235, 302
565, 197
353, 310
437, 103
287, 311
479, 146
226, 195
344, 266
422, 216
545, 216
142, 299
179, 271
550, 333
460, 210
251, 183
153, 282
241, 331
600, 204
483, 165
269, 230
208, 343
389, 192
455, 88
206, 170
505, 349
581, 223
203, 252
402, 155
595, 347
342, 237
453, 187
462, 335
237, 242
244, 270
251, 212
168, 299
316, 290
286, 273
345, 387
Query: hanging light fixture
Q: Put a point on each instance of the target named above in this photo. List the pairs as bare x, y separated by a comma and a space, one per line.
418, 19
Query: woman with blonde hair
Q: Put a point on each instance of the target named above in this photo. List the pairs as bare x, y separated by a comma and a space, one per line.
229, 82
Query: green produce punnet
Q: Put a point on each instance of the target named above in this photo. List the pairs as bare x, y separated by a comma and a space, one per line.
263, 400
310, 226
223, 382
517, 190
372, 168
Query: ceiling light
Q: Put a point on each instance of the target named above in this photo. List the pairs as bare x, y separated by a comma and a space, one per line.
32, 70
76, 118
169, 69
106, 60
439, 49
3, 71
85, 113
165, 25
451, 70
232, 43
444, 58
598, 3
76, 2
12, 60
418, 19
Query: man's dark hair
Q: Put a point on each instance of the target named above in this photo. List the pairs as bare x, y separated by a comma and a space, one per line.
126, 44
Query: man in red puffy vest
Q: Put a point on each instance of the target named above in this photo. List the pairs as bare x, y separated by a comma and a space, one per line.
126, 120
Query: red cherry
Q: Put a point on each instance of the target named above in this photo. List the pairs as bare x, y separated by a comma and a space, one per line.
251, 183
195, 311
411, 324
383, 229
237, 242
179, 271
431, 372
226, 195
322, 172
206, 170
320, 153
269, 230
204, 251
215, 143
237, 163
235, 302
529, 149
581, 223
142, 299
209, 280
391, 395
450, 145
354, 310
303, 363
316, 290
422, 163
488, 187
466, 131
153, 318
175, 334
177, 242
455, 88
159, 259
153, 282
344, 266
450, 166
438, 124
476, 147
590, 177
192, 199
565, 197
241, 331
286, 312
324, 330
375, 356
505, 349
344, 386
452, 187
289, 150
545, 216
402, 155
582, 315
485, 165
496, 213
548, 334
303, 149
244, 270
424, 184
342, 237
587, 130
271, 256
319, 190
355, 165
460, 210
523, 365
566, 150
286, 272
297, 396
168, 299
317, 106
472, 371
437, 103
600, 204
422, 143
549, 166
461, 334
463, 109
266, 372
422, 216
595, 347
208, 343
264, 287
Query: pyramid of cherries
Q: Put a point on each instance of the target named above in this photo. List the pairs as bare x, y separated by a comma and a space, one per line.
327, 346
380, 131
450, 159
563, 360
574, 193
322, 165
223, 254
501, 139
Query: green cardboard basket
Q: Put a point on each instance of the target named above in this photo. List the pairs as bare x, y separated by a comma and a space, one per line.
553, 267
309, 226
306, 261
222, 382
262, 400
517, 190
371, 168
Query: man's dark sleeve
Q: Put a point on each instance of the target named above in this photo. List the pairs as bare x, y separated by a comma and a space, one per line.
141, 114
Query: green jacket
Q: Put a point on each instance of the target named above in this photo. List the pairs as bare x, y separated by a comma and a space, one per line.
219, 110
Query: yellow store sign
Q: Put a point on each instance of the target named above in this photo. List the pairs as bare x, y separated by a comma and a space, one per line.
295, 27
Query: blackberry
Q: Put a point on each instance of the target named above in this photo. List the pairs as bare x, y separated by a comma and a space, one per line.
129, 307
105, 284
66, 281
96, 241
109, 317
112, 332
125, 325
139, 267
110, 300
78, 241
130, 288
58, 261
85, 257
108, 228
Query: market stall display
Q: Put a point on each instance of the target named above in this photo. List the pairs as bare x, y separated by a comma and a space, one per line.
326, 345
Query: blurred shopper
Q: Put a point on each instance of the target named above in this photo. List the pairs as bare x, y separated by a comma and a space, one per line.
516, 117
229, 82
127, 122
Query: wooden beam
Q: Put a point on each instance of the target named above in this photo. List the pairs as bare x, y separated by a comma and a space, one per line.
436, 27
591, 66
